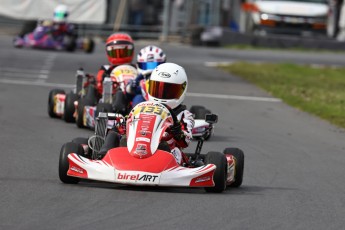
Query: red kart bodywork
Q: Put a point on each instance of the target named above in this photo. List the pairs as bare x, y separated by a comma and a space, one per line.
119, 166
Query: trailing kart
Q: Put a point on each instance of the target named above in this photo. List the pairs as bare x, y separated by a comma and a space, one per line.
201, 127
141, 157
41, 38
113, 88
62, 105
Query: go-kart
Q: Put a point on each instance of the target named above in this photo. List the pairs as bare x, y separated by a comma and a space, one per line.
62, 105
113, 86
141, 157
41, 38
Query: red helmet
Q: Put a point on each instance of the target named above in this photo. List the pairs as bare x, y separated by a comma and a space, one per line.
119, 48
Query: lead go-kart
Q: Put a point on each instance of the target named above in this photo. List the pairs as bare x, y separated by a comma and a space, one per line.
141, 157
41, 38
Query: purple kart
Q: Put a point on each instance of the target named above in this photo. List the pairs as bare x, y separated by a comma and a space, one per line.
43, 38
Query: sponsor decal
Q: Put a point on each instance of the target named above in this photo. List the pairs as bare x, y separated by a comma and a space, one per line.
141, 149
231, 168
150, 58
164, 75
202, 179
144, 132
142, 139
137, 177
76, 169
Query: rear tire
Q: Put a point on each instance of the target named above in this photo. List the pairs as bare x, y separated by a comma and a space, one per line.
219, 176
88, 45
70, 43
81, 140
199, 111
193, 108
91, 94
69, 107
51, 103
80, 111
239, 165
64, 164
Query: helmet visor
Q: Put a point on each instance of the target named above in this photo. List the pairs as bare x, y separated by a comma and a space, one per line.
148, 65
120, 49
165, 90
61, 15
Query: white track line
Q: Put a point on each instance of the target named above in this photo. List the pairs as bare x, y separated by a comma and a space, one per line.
217, 96
35, 83
47, 65
25, 75
40, 75
234, 97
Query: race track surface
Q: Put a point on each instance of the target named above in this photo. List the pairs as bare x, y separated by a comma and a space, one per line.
294, 162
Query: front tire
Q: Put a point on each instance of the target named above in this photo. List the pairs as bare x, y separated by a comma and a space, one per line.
239, 165
64, 163
51, 102
219, 176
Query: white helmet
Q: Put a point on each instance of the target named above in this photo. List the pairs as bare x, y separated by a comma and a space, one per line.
149, 58
60, 13
168, 84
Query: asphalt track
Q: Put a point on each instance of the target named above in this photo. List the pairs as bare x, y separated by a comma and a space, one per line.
294, 162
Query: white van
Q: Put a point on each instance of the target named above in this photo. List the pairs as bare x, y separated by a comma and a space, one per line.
300, 17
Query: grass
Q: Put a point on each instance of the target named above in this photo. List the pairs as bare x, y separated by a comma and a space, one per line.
319, 91
296, 49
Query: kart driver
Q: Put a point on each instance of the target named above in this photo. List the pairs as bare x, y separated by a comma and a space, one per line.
168, 85
119, 50
60, 26
148, 58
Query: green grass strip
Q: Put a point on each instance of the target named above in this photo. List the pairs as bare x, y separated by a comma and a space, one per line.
319, 91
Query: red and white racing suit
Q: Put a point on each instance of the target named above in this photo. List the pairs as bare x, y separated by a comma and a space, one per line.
187, 123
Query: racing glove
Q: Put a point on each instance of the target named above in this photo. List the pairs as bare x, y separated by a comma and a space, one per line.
133, 84
131, 87
177, 132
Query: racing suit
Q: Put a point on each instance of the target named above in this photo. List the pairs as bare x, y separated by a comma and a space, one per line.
177, 137
59, 30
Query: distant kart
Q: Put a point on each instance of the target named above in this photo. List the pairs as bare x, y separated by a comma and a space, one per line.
201, 127
63, 105
142, 157
40, 38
